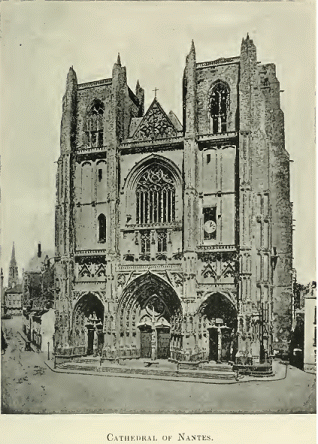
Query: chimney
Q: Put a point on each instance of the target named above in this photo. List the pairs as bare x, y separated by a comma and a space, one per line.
39, 249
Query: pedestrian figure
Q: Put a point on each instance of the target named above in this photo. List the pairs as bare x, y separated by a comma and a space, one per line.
4, 343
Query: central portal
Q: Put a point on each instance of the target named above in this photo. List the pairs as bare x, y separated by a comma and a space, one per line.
150, 319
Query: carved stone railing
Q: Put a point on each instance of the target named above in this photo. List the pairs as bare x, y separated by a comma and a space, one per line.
152, 226
145, 143
217, 247
221, 61
217, 136
94, 83
90, 149
90, 252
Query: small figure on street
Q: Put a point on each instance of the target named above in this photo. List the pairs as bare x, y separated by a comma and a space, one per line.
4, 343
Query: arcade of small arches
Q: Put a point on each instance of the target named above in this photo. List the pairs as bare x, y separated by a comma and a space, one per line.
151, 322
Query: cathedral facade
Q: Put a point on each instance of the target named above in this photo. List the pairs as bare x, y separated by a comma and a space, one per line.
174, 240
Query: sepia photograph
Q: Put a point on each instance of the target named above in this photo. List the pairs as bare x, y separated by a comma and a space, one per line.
158, 233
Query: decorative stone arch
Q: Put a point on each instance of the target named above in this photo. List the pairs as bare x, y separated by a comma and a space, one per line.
148, 306
223, 147
136, 172
227, 294
214, 84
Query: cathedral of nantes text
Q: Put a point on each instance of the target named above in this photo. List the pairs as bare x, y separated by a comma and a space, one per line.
174, 240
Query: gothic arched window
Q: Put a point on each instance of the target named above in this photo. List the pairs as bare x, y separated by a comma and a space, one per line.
94, 124
101, 228
219, 103
155, 197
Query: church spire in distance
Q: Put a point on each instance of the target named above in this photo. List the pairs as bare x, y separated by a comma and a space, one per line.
13, 261
13, 270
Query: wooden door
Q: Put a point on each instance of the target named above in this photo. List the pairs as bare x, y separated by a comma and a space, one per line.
145, 343
100, 342
213, 343
90, 343
226, 345
163, 343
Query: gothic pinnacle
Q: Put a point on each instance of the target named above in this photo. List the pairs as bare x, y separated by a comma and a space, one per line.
118, 60
71, 76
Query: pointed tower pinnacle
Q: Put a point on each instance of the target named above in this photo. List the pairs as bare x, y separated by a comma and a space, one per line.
118, 60
192, 50
140, 94
71, 76
191, 57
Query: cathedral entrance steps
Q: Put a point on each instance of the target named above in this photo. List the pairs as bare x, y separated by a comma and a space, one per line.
214, 367
162, 369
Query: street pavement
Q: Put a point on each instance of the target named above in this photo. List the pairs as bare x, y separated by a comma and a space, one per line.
29, 386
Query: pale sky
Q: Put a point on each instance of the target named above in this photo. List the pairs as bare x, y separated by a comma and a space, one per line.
40, 41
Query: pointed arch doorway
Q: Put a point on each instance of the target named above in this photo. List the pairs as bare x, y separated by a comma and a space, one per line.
220, 316
150, 317
87, 332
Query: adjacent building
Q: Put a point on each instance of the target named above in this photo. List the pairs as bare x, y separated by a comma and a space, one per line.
310, 328
174, 240
38, 300
12, 304
38, 281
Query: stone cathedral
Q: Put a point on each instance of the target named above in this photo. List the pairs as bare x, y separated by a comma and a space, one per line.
174, 239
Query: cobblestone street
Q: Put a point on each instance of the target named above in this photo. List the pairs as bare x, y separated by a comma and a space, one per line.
29, 386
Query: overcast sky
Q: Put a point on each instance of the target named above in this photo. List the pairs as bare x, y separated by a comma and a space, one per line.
40, 41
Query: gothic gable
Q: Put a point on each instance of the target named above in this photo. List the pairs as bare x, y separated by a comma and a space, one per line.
155, 124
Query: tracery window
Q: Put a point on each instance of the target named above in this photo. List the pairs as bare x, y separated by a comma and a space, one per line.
162, 241
145, 241
94, 124
101, 228
219, 104
155, 196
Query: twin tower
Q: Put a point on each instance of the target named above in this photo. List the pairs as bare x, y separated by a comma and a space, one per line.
174, 240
